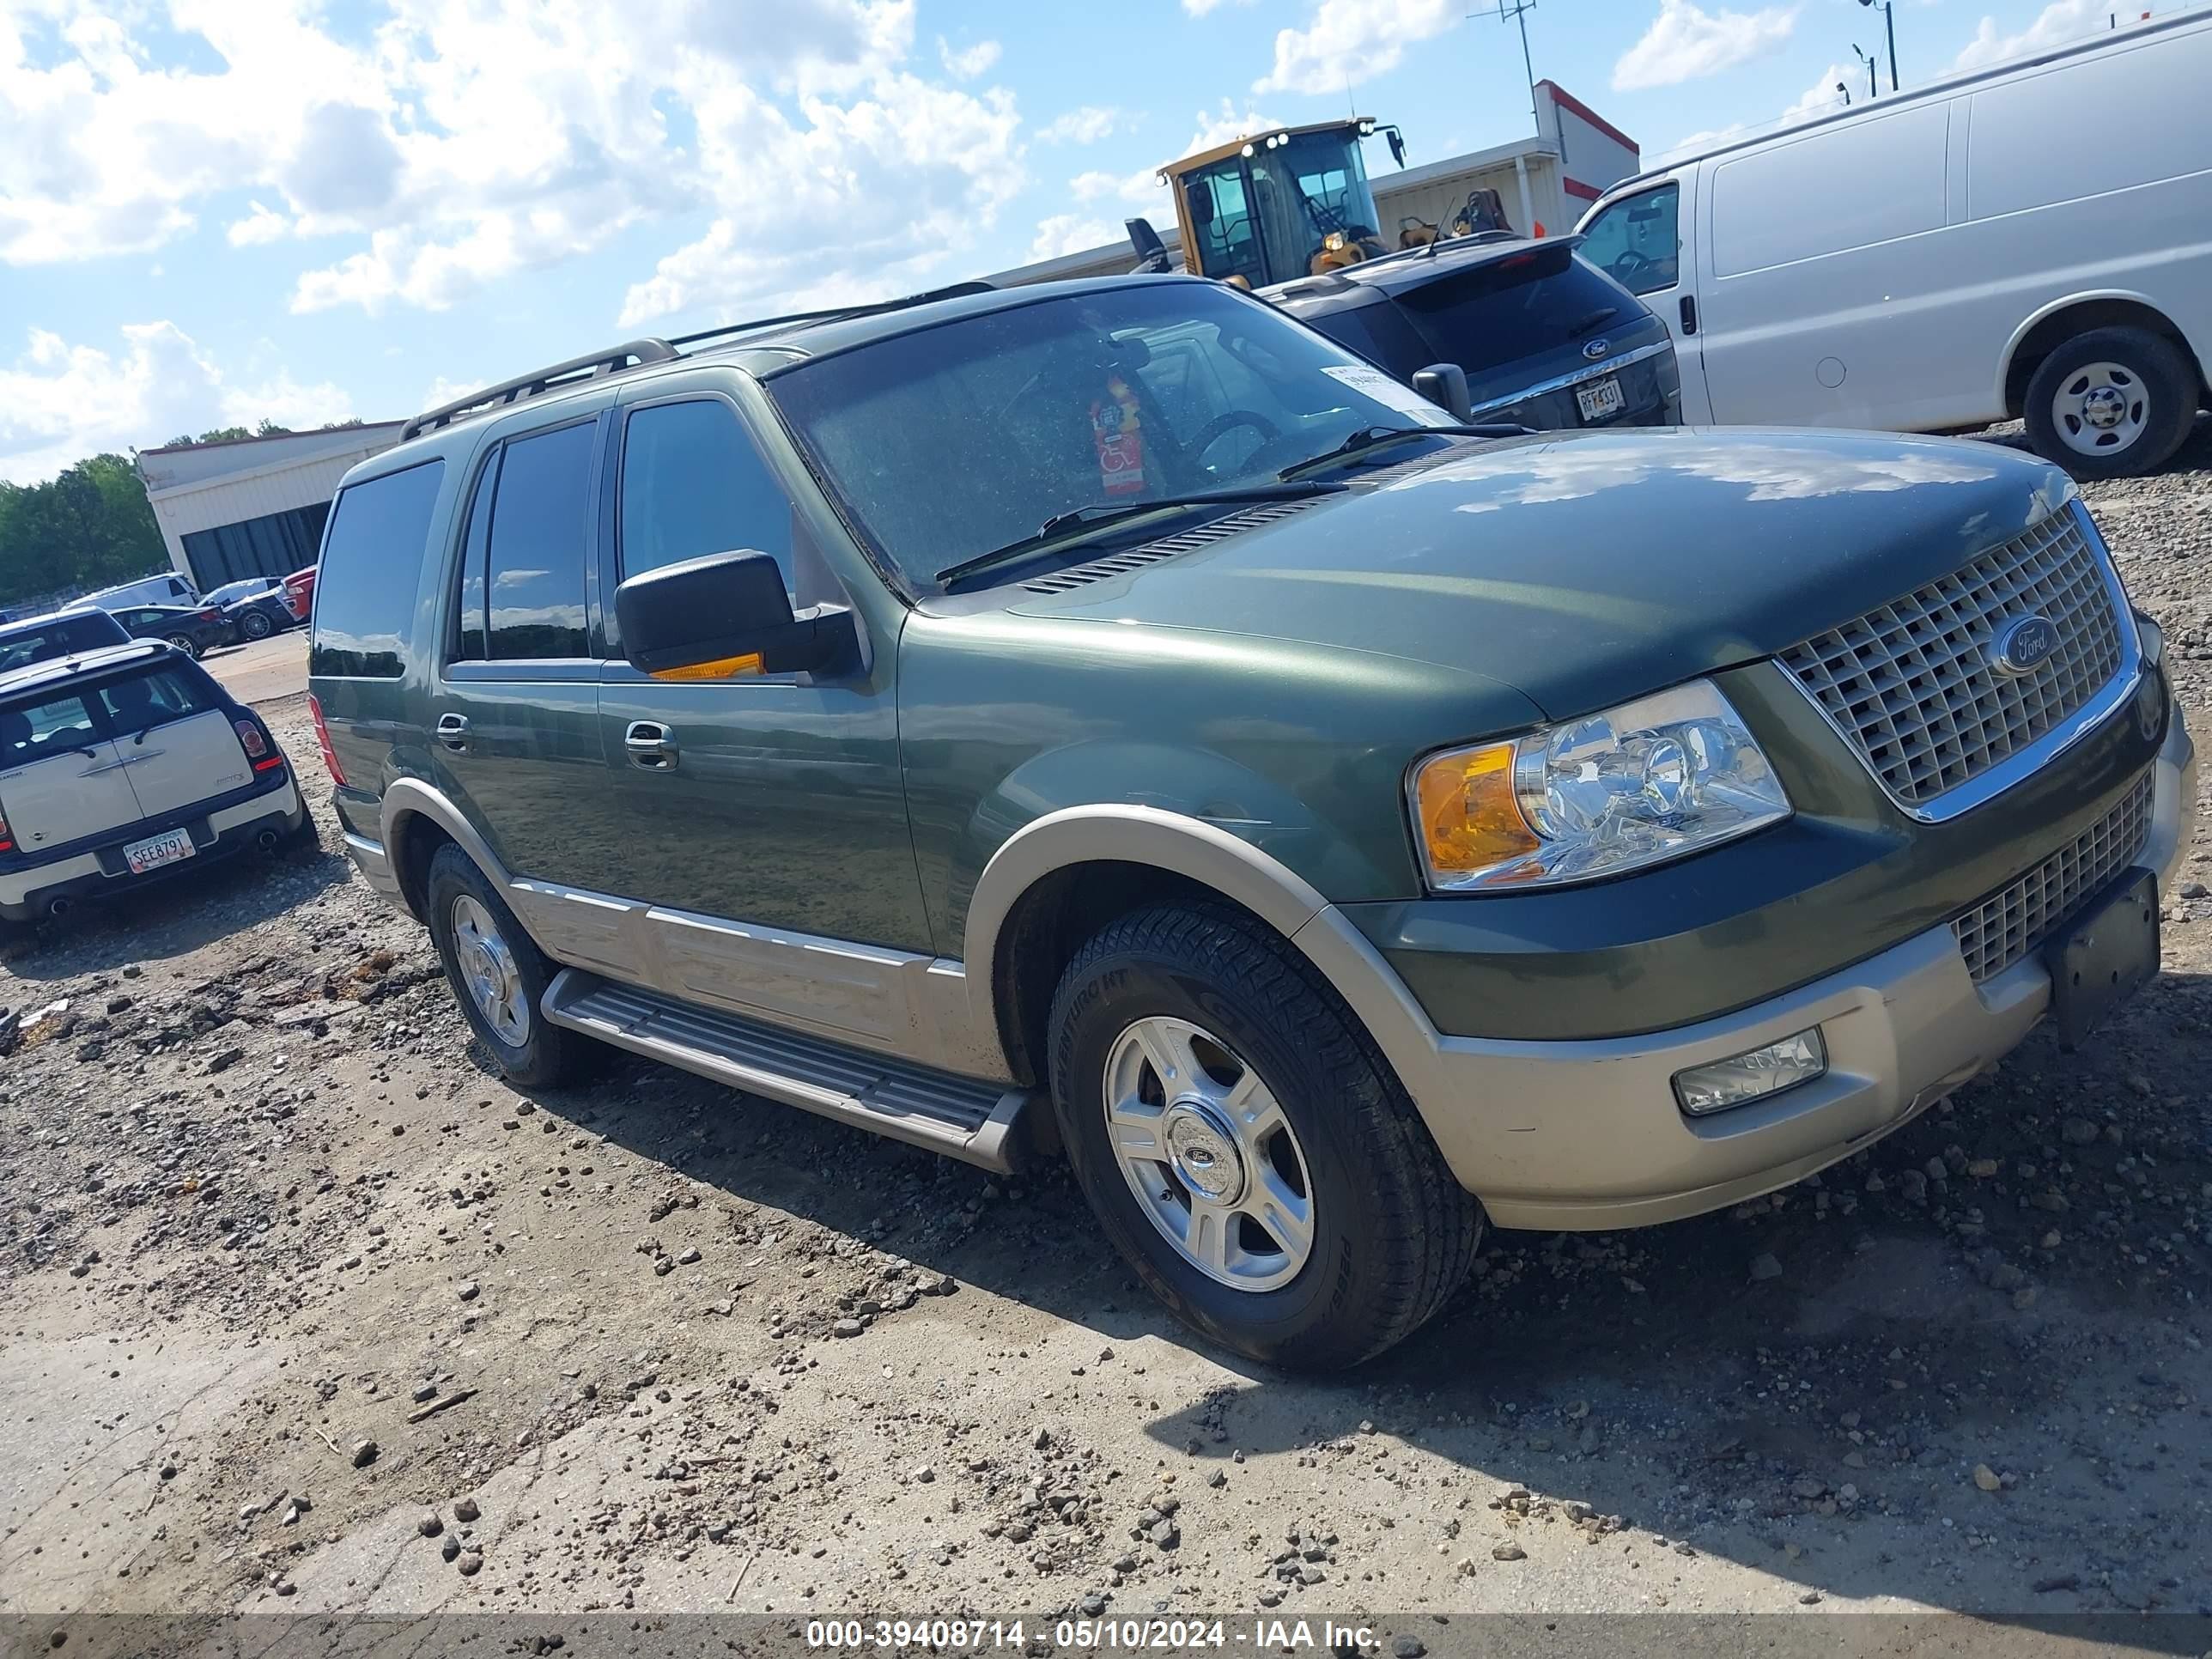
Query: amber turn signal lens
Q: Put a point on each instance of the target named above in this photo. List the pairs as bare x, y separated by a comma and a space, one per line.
1469, 819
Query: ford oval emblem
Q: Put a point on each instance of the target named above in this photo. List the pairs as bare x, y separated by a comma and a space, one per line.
1596, 349
2023, 646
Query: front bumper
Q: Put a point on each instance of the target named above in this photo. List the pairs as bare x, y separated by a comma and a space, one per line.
1586, 1134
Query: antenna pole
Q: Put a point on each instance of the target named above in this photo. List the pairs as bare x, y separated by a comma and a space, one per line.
1517, 11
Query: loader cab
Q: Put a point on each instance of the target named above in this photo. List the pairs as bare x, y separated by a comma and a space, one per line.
1278, 205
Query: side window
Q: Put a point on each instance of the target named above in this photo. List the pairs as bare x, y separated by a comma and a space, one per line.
534, 584
1635, 242
379, 532
693, 484
469, 632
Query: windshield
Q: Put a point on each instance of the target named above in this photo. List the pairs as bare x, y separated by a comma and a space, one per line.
58, 636
956, 440
1267, 216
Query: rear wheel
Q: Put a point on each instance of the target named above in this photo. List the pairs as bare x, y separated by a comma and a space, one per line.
187, 644
256, 625
1244, 1146
499, 976
2111, 404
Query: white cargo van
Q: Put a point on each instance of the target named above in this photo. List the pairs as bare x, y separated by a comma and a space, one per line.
167, 588
2032, 240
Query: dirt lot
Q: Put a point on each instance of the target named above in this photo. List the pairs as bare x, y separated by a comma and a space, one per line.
265, 1212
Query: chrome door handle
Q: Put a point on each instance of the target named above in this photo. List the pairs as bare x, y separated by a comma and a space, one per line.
650, 745
453, 731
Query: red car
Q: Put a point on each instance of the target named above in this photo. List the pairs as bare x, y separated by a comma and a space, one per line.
299, 592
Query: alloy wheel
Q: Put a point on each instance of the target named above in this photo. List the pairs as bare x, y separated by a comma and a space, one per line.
488, 970
1209, 1154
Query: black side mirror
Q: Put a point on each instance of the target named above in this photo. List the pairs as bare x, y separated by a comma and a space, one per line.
723, 614
1151, 253
1445, 385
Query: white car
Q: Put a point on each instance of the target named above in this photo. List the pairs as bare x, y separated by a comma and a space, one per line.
2033, 240
125, 765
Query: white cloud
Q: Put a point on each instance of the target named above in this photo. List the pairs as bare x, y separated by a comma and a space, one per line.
1199, 8
966, 62
946, 159
1350, 40
1685, 42
258, 226
1816, 99
1224, 123
59, 402
1696, 143
1085, 125
1138, 186
1070, 233
446, 146
1822, 96
2056, 24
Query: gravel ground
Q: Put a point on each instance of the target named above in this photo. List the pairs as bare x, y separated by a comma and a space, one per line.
306, 1312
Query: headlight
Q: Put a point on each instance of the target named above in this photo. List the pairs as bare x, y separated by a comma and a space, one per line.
1649, 780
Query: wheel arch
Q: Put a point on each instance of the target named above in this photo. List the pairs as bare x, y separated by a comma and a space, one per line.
1065, 875
415, 820
2061, 319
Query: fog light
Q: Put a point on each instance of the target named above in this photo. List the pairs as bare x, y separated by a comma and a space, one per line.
1741, 1079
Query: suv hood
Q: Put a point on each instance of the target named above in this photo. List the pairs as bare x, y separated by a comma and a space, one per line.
1586, 568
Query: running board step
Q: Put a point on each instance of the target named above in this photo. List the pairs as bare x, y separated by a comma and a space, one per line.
959, 1116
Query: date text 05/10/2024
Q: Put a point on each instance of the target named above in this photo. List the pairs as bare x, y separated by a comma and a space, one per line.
1136, 1635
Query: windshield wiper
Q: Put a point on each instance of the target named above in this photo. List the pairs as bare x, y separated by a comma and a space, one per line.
1367, 437
1101, 515
1604, 314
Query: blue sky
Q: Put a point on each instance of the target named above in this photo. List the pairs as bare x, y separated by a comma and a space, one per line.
214, 210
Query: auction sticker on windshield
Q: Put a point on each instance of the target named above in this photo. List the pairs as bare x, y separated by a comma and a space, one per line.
1385, 390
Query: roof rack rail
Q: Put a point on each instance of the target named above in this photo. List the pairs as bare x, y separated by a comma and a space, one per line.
955, 291
636, 354
616, 360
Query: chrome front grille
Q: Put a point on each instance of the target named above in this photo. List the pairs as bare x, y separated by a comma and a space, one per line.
1912, 685
2004, 927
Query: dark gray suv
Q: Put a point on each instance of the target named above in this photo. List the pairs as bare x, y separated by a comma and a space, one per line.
1110, 718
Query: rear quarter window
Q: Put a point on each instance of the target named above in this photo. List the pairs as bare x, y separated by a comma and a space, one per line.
371, 572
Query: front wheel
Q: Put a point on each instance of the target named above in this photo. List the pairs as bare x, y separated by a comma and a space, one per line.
256, 625
499, 977
2111, 403
1245, 1148
187, 644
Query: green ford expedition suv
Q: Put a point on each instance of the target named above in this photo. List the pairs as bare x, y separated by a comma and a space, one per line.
1108, 719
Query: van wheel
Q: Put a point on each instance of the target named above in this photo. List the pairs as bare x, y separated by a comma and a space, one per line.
185, 643
2111, 403
1244, 1146
498, 977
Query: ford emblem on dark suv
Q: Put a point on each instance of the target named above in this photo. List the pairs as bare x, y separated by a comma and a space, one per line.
1596, 349
2024, 646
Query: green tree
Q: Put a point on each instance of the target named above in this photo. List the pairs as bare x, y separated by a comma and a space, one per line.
90, 526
